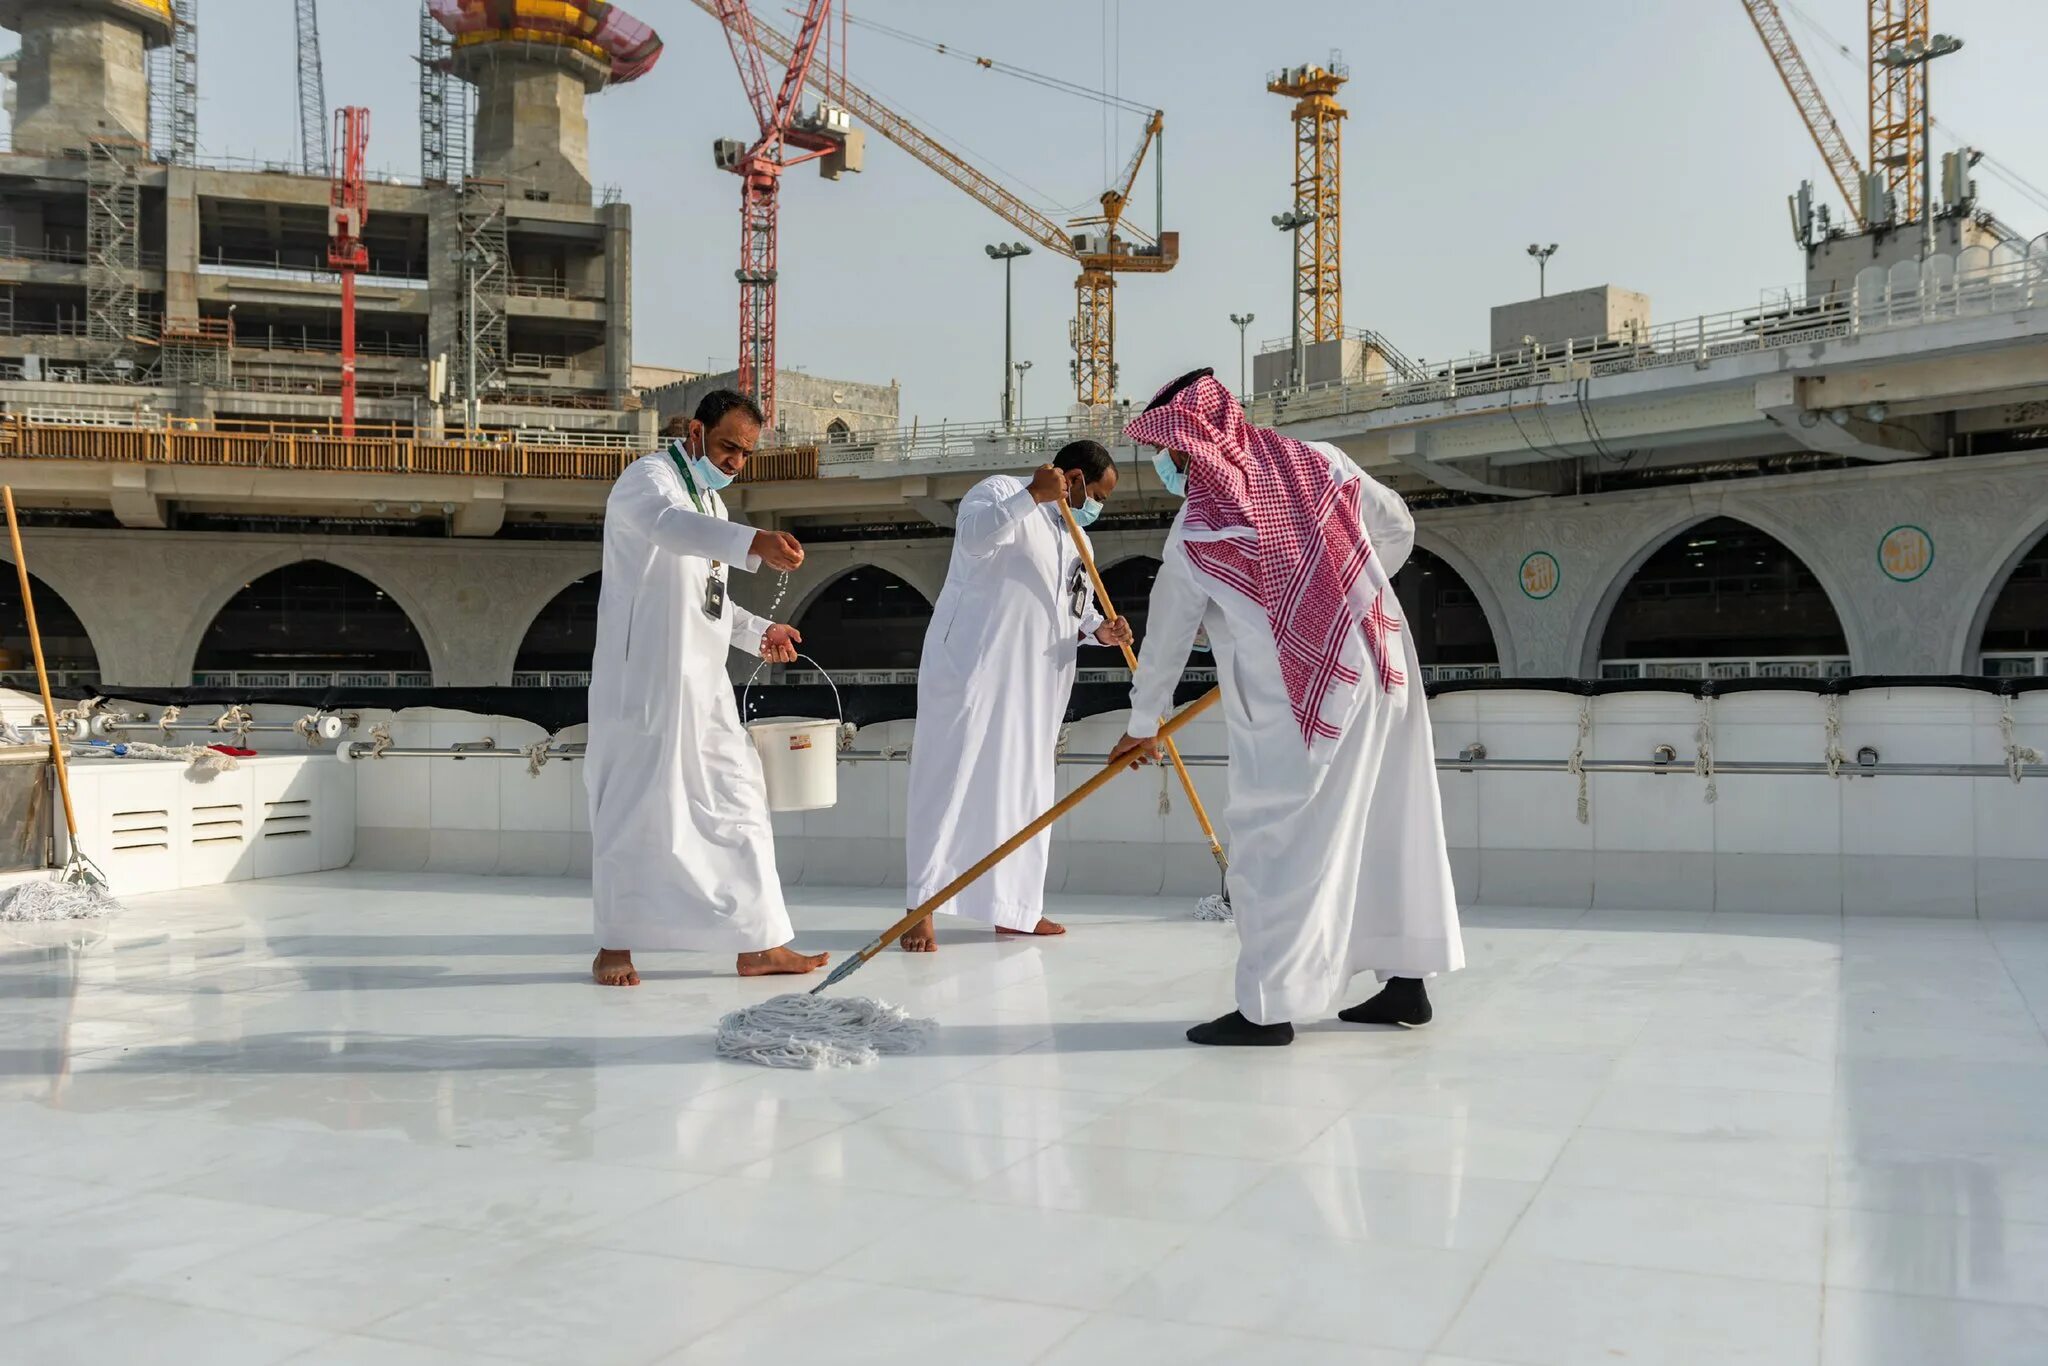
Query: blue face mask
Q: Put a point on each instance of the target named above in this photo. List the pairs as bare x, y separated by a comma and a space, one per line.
708, 474
1090, 509
1176, 480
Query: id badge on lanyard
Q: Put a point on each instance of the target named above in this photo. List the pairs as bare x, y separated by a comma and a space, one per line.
714, 586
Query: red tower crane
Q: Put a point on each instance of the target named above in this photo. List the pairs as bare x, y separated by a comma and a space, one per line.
784, 142
348, 210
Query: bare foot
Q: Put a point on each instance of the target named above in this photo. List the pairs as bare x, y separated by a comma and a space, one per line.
1043, 927
920, 938
779, 962
614, 968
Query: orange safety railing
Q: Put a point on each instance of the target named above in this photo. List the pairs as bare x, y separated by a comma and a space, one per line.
314, 446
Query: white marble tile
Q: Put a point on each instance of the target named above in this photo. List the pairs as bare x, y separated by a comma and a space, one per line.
1373, 1294
139, 1237
1865, 1328
827, 1320
1708, 1232
1414, 1209
906, 1161
1786, 1116
778, 1225
132, 1328
1537, 1312
1140, 1183
1214, 1128
1740, 1168
1447, 1145
1930, 1254
1118, 1340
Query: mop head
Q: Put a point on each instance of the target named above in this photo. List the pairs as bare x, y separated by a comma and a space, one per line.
1214, 906
801, 1030
56, 899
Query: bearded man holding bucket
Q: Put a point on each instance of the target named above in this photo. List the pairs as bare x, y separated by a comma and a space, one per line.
682, 854
1285, 553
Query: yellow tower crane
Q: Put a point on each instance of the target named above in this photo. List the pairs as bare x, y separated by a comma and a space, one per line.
1318, 190
1898, 99
1813, 108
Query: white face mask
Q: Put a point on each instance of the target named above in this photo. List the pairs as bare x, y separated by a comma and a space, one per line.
1175, 480
709, 474
1090, 509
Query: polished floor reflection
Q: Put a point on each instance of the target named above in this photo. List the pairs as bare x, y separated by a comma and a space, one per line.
385, 1119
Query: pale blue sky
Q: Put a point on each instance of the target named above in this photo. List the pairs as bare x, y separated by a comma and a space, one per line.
1651, 138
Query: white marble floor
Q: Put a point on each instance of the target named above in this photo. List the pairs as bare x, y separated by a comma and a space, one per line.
382, 1119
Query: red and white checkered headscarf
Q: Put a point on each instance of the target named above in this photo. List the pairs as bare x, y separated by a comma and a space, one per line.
1270, 518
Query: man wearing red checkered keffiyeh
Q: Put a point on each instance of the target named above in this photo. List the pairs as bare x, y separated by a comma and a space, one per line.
1284, 552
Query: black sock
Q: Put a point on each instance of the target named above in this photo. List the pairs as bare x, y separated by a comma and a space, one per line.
1235, 1031
1401, 1001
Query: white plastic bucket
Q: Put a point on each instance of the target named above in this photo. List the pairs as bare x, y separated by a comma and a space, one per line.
799, 755
799, 762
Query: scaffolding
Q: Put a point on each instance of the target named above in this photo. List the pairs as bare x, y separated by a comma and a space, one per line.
196, 351
486, 282
444, 107
174, 90
113, 256
1318, 190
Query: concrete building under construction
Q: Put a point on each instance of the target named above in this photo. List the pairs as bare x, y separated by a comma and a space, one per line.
135, 280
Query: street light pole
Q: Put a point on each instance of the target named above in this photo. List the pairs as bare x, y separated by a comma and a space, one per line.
1007, 254
1922, 55
1020, 367
1293, 221
1243, 320
1542, 255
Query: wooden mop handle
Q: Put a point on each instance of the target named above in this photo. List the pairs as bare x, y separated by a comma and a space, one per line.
1011, 845
1187, 780
35, 644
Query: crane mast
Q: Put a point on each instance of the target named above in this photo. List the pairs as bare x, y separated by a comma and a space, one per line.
348, 211
1813, 108
312, 91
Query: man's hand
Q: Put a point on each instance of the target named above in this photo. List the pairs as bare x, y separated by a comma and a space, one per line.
1114, 632
1048, 485
778, 550
1136, 753
779, 642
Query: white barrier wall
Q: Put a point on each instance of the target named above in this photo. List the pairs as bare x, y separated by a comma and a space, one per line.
1795, 843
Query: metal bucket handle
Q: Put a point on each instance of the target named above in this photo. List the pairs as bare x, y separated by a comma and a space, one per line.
839, 710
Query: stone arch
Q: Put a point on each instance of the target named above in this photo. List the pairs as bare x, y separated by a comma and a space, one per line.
2030, 545
1710, 562
1475, 582
837, 432
561, 637
865, 617
546, 591
1128, 578
825, 567
68, 644
280, 560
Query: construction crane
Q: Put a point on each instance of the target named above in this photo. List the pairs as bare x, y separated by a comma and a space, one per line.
312, 92
348, 210
1898, 99
1813, 108
1105, 245
784, 141
1318, 192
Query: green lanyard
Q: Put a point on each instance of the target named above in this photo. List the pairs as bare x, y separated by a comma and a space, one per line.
675, 453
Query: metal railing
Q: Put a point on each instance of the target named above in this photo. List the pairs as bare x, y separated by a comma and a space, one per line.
2013, 664
300, 678
296, 450
1721, 666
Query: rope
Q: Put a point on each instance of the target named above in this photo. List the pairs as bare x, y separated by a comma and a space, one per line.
1703, 759
308, 729
847, 730
1577, 763
1214, 907
380, 739
1833, 754
236, 719
801, 1030
1059, 746
1165, 793
170, 716
537, 755
2017, 756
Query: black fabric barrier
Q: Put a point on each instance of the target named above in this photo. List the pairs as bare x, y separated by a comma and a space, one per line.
867, 704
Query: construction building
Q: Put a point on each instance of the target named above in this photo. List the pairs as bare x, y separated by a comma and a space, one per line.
136, 282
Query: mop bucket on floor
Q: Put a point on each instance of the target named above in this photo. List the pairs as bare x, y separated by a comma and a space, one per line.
799, 755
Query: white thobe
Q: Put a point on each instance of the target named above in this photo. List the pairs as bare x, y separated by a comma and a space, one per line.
992, 689
682, 853
1337, 868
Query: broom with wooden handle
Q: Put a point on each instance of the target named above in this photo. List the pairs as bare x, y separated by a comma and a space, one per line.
1187, 781
1008, 847
80, 889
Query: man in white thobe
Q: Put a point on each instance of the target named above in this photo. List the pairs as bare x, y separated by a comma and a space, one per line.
992, 689
682, 855
1284, 552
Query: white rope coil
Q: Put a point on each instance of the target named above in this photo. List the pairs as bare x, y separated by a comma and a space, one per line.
1165, 792
380, 739
1059, 746
801, 1030
1833, 754
1577, 763
1214, 907
2017, 756
168, 719
847, 730
1703, 758
236, 719
537, 755
308, 729
55, 899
